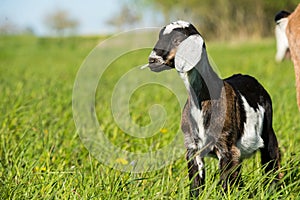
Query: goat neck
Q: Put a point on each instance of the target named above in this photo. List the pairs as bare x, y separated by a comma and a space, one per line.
202, 82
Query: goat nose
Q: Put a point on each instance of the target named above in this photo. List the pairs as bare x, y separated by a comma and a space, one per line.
152, 60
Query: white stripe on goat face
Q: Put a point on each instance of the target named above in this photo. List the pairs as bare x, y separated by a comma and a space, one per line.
159, 59
281, 39
251, 139
178, 24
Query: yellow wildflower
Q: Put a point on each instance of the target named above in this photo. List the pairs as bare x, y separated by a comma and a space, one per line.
39, 169
163, 130
122, 161
43, 169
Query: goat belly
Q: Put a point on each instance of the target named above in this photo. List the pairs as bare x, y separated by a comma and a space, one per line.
251, 138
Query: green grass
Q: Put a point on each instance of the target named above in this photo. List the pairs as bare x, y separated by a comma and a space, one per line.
42, 156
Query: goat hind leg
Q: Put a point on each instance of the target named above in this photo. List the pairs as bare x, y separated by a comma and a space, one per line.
270, 154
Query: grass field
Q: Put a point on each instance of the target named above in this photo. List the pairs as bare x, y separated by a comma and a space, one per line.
42, 156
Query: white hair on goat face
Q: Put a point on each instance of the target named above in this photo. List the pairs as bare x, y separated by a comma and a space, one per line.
281, 39
282, 44
178, 24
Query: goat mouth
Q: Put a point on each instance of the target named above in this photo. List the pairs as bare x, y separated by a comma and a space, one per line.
157, 67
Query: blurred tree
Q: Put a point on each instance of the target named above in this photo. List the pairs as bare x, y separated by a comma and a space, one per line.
126, 17
167, 7
29, 30
61, 22
8, 28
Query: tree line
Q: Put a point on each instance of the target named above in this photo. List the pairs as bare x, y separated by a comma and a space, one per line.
224, 19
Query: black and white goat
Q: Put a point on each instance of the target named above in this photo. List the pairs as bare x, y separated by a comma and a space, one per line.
229, 119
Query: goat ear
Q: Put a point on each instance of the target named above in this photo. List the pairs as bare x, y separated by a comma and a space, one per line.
188, 53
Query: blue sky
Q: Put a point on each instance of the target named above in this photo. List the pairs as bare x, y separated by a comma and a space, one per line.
91, 14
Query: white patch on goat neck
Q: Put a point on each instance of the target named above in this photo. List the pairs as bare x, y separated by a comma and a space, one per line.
196, 114
185, 78
177, 24
188, 53
251, 139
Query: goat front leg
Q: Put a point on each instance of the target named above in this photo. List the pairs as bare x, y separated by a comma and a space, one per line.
196, 172
230, 167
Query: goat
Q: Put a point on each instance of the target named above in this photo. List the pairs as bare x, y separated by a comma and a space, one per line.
290, 24
229, 119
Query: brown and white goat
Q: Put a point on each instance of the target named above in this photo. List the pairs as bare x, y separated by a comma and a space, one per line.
291, 27
229, 119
